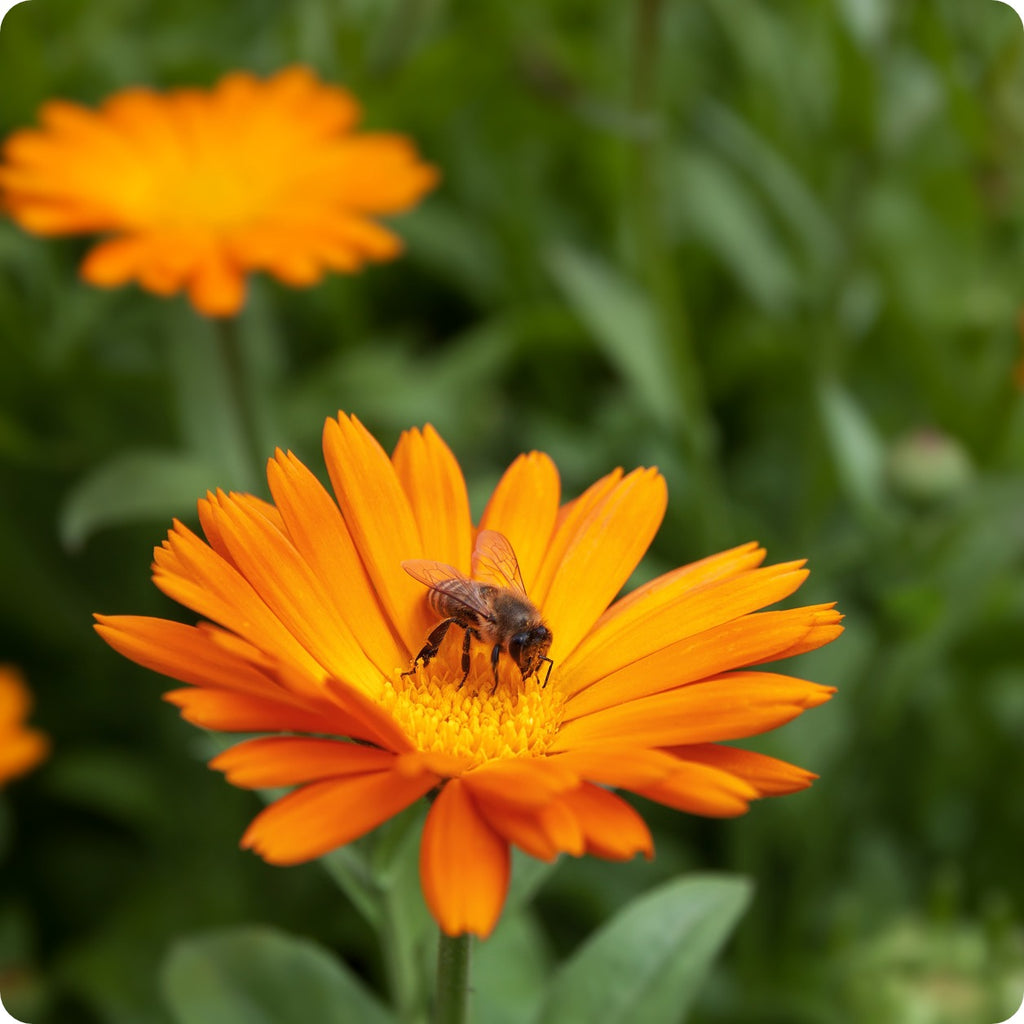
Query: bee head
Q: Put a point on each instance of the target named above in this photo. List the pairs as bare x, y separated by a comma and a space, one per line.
529, 648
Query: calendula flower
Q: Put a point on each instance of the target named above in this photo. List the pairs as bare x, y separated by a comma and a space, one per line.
196, 188
21, 748
312, 626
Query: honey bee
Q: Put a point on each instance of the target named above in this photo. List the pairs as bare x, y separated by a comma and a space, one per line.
502, 616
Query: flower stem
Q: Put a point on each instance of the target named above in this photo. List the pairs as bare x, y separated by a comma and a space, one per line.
452, 979
239, 398
657, 269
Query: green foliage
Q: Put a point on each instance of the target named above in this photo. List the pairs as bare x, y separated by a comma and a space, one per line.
257, 975
773, 248
648, 961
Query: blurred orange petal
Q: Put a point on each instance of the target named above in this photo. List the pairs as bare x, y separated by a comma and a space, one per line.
197, 188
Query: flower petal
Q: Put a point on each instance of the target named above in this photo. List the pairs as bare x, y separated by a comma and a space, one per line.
231, 711
524, 781
542, 832
383, 527
319, 532
21, 752
723, 565
673, 613
524, 507
724, 708
436, 491
611, 765
464, 864
289, 760
193, 574
749, 640
768, 775
611, 828
324, 815
702, 789
604, 549
293, 592
192, 654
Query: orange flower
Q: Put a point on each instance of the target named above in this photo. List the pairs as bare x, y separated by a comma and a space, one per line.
313, 626
197, 188
21, 749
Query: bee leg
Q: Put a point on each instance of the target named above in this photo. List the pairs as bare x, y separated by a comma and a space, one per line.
495, 654
465, 654
432, 645
547, 675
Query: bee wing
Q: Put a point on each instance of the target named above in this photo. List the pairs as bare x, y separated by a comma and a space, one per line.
495, 561
447, 580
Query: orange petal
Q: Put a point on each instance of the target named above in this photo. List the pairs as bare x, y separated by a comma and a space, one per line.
673, 613
191, 654
21, 751
768, 775
207, 520
825, 629
751, 639
381, 521
115, 261
702, 789
324, 815
611, 828
192, 573
606, 546
217, 287
289, 760
227, 711
464, 865
720, 566
621, 767
542, 832
436, 490
319, 532
524, 507
523, 781
724, 708
568, 522
293, 592
376, 724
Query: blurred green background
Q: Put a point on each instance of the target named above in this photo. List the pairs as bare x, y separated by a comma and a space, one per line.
776, 249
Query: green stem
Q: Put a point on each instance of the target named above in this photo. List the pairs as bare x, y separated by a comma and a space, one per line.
450, 998
239, 398
657, 269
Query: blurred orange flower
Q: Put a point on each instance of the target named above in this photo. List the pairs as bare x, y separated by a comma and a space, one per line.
21, 748
196, 188
313, 626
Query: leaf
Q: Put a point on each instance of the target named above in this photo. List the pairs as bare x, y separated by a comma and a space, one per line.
509, 972
717, 207
133, 487
258, 975
648, 962
622, 322
857, 450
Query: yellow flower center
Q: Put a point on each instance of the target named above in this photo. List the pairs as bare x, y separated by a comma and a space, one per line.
477, 719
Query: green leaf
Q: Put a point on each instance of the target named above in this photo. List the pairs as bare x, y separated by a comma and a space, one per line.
857, 450
623, 323
258, 975
648, 962
716, 206
132, 487
509, 972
